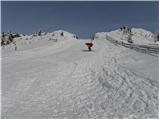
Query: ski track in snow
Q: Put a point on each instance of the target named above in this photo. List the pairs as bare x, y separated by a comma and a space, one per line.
68, 82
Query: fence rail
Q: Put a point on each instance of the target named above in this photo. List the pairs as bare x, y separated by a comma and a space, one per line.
148, 49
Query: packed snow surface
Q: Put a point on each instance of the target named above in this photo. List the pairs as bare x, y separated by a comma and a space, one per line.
48, 79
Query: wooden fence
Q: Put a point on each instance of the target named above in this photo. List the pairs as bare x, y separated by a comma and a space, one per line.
151, 49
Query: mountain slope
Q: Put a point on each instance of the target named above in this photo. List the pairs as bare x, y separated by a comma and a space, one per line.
64, 80
139, 36
35, 40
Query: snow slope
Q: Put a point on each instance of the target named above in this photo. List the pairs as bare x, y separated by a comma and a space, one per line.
140, 36
64, 80
46, 39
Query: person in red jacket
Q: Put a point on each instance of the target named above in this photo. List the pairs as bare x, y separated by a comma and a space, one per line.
90, 44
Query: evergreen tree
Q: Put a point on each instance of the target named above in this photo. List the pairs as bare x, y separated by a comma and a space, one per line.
40, 33
156, 36
62, 34
3, 39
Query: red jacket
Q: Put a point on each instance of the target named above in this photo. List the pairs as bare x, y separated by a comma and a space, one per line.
89, 44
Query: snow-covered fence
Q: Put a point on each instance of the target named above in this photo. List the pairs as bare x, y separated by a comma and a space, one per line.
149, 49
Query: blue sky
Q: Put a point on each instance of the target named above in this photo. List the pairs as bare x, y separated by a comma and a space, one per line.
80, 17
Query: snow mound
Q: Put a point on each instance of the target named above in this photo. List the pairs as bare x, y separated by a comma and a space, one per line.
139, 32
138, 35
59, 35
66, 34
35, 40
101, 35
